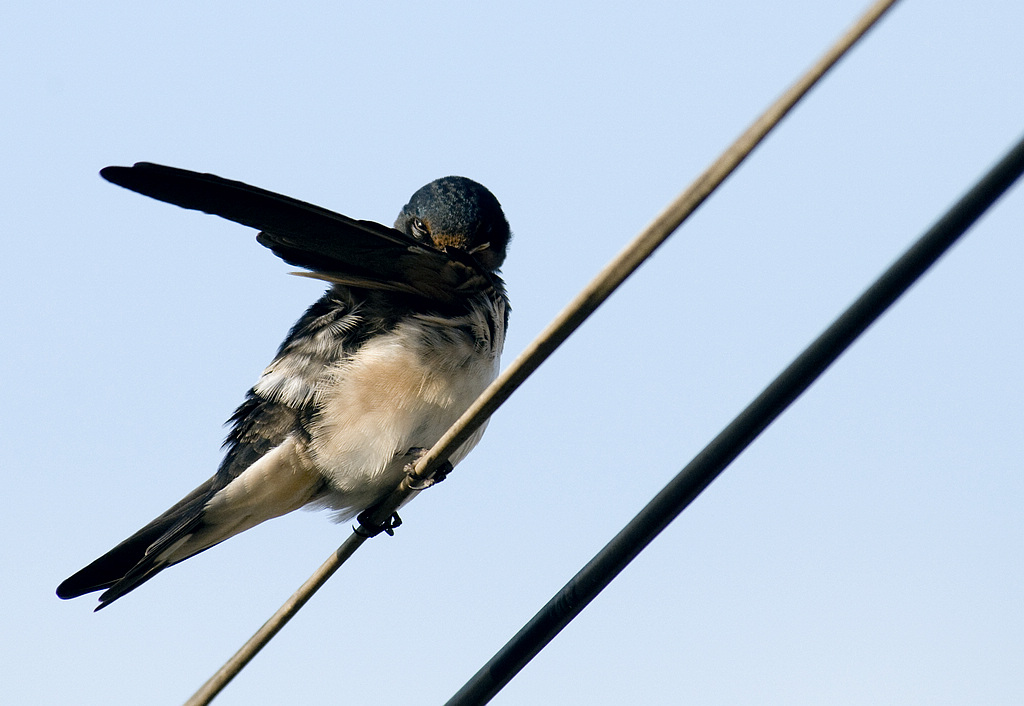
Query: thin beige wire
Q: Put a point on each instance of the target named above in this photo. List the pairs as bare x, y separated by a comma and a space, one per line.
570, 318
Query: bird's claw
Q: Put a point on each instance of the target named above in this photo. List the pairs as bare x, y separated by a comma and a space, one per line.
368, 528
417, 482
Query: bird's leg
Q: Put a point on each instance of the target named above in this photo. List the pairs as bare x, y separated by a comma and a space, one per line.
369, 528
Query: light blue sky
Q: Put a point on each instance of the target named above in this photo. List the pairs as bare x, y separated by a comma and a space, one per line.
869, 548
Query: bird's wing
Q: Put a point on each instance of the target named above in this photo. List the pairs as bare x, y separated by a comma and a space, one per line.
335, 247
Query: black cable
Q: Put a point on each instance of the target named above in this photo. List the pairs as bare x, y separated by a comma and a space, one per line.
710, 462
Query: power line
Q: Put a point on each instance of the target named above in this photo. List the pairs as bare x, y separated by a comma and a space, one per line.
709, 463
581, 307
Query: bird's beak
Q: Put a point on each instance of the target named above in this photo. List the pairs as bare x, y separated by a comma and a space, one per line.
450, 240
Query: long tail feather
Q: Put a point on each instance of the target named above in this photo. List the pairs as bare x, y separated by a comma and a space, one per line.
134, 560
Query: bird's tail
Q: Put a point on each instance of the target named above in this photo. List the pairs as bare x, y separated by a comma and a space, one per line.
280, 481
147, 552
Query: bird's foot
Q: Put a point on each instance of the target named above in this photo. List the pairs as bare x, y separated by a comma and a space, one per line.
367, 527
417, 482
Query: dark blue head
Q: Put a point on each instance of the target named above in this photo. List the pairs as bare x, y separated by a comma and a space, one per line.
456, 212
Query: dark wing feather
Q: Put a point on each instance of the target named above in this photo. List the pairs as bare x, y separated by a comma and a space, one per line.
368, 254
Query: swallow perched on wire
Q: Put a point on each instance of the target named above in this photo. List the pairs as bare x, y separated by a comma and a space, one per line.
407, 336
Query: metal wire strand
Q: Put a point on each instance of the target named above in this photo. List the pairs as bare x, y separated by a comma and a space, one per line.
581, 307
709, 463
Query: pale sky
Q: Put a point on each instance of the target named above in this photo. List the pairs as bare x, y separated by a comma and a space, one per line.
868, 548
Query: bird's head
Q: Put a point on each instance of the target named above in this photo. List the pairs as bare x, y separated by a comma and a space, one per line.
456, 212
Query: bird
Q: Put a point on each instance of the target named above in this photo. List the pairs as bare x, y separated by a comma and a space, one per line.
409, 332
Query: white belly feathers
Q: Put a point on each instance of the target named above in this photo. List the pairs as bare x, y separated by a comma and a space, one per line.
401, 391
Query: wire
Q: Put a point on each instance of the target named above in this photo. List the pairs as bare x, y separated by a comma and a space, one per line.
709, 463
570, 318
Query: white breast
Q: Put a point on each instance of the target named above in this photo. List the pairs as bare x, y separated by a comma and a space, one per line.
401, 391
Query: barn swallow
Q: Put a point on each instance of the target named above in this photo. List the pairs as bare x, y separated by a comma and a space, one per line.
406, 337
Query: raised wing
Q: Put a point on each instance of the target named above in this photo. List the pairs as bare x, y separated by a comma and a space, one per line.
335, 247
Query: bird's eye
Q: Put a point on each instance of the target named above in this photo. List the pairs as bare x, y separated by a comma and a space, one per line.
419, 228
